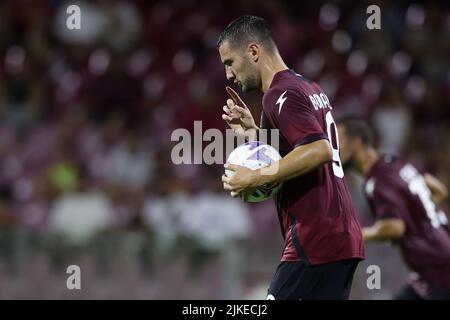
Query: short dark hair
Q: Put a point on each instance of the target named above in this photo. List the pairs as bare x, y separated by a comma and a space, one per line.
357, 128
245, 29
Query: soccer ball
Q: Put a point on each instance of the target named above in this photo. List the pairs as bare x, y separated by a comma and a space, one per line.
255, 155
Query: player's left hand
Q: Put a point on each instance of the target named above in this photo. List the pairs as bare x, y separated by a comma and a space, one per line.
243, 179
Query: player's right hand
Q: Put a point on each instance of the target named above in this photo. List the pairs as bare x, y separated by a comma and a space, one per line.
237, 115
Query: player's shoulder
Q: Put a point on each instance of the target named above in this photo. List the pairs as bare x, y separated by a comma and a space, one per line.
280, 87
387, 163
384, 174
286, 80
383, 167
286, 97
283, 90
391, 163
294, 90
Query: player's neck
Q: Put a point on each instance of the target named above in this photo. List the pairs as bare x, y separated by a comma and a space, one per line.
367, 159
272, 65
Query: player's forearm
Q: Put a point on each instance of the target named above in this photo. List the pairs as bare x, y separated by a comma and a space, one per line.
299, 161
390, 229
439, 191
372, 234
376, 234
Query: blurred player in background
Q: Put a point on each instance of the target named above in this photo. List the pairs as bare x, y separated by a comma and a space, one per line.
323, 241
404, 202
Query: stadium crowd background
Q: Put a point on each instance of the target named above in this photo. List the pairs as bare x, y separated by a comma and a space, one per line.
86, 116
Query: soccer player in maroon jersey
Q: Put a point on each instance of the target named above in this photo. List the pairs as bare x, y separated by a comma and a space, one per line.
404, 202
322, 237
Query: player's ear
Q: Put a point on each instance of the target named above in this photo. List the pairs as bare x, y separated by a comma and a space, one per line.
254, 51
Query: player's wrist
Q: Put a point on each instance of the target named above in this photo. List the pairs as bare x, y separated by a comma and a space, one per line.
258, 180
266, 176
252, 134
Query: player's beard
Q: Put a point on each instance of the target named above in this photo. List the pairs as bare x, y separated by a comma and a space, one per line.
251, 83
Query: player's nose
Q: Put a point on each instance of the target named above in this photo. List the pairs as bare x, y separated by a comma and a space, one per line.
230, 75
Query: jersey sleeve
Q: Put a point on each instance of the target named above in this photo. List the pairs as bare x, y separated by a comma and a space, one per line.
388, 201
297, 121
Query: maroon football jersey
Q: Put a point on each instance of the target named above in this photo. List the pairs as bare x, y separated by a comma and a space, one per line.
396, 189
316, 214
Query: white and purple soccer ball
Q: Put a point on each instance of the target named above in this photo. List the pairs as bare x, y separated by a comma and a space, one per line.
255, 155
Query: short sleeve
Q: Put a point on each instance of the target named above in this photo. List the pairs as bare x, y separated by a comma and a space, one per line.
387, 201
297, 121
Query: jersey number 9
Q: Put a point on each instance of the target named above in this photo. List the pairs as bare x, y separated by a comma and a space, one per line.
332, 133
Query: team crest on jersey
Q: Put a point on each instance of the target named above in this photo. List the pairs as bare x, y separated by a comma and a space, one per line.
280, 101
